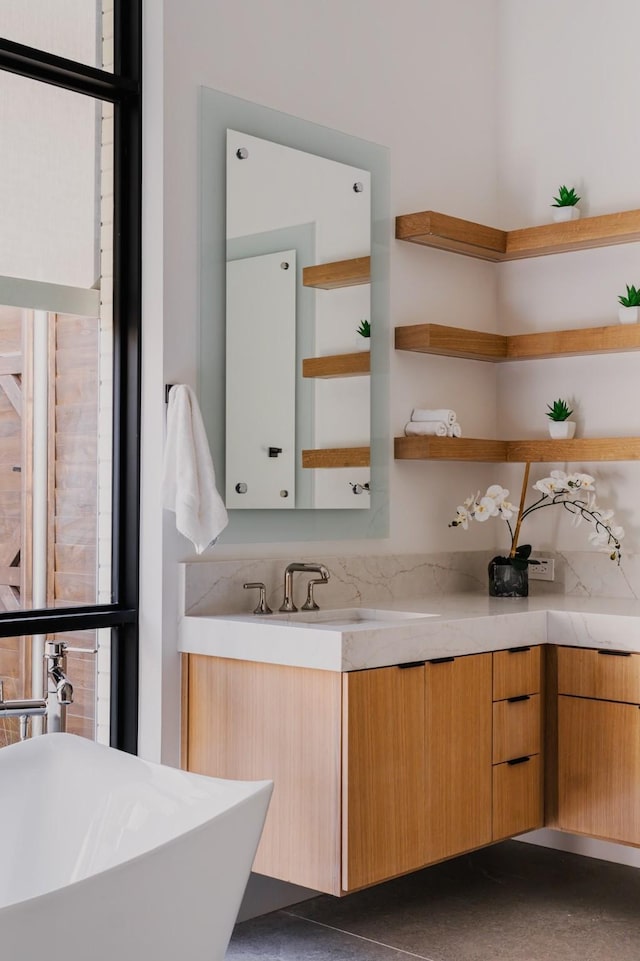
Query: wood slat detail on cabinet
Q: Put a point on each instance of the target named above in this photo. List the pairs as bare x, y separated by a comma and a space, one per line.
451, 342
488, 243
481, 345
516, 672
602, 231
252, 721
337, 365
517, 798
587, 673
516, 728
384, 783
340, 273
433, 229
329, 457
450, 448
578, 449
599, 769
458, 755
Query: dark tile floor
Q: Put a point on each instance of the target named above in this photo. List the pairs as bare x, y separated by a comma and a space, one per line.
509, 902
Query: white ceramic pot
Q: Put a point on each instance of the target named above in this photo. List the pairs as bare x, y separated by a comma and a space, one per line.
562, 429
628, 315
363, 343
562, 214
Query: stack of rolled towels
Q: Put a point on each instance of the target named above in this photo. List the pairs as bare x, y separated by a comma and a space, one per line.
433, 423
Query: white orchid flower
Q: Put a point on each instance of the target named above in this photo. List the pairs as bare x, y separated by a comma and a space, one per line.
486, 508
581, 482
599, 538
507, 510
497, 493
462, 518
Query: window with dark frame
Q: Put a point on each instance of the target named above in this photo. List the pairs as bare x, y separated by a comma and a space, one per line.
118, 613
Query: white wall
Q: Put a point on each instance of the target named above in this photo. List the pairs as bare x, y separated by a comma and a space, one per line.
566, 109
418, 76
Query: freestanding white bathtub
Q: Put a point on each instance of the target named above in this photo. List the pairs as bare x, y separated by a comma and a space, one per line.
110, 858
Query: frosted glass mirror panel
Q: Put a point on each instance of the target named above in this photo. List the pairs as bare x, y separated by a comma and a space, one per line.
261, 381
298, 399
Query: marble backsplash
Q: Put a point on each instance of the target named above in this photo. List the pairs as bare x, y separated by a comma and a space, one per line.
215, 587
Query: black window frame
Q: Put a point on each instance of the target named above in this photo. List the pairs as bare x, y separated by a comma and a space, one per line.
123, 89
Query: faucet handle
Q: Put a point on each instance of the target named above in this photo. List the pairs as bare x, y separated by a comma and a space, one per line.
310, 604
263, 607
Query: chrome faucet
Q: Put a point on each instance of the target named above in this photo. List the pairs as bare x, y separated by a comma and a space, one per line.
59, 694
290, 570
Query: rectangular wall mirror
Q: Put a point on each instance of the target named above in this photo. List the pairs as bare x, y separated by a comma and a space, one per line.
297, 372
295, 228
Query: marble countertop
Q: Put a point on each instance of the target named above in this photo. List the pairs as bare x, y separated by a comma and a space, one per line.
453, 625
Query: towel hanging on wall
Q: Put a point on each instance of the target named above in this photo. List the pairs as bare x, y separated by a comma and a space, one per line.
188, 476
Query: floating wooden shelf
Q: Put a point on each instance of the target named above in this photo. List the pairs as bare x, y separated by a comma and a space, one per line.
450, 448
432, 229
341, 273
337, 365
477, 345
517, 451
337, 457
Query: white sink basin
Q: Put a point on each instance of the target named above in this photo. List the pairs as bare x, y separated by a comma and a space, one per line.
347, 615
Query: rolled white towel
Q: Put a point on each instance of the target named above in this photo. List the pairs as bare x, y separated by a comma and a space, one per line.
454, 430
420, 414
426, 428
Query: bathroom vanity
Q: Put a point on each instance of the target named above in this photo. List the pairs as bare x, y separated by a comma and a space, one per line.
407, 741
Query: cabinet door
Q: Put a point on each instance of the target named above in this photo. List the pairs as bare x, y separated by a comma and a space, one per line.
383, 774
599, 768
458, 755
252, 721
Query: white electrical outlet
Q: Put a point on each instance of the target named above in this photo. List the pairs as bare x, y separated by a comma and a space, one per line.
544, 570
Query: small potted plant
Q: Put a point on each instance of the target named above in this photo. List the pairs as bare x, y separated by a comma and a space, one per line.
560, 427
629, 304
565, 205
363, 335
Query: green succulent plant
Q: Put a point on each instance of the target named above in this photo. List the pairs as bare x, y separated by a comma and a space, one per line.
566, 197
559, 410
632, 299
364, 329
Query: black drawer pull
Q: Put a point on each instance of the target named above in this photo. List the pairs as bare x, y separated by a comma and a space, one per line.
519, 760
616, 653
442, 660
520, 697
403, 667
518, 650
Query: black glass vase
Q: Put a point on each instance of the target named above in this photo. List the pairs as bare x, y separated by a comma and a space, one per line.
507, 580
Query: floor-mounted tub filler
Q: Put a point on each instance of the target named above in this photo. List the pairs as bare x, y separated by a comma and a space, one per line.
106, 856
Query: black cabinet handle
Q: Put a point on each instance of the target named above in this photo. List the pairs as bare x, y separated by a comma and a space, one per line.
442, 660
403, 667
518, 650
519, 760
616, 653
520, 697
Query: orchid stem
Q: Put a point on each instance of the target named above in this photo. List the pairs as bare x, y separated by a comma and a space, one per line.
523, 495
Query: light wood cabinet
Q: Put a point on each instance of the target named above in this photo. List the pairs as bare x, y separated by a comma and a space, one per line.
517, 796
377, 772
516, 671
458, 755
384, 783
602, 674
599, 768
517, 724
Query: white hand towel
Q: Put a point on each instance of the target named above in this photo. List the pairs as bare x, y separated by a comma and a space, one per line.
454, 430
419, 414
188, 476
426, 428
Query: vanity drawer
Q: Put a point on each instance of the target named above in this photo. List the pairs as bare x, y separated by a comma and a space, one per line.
516, 671
516, 727
605, 675
517, 797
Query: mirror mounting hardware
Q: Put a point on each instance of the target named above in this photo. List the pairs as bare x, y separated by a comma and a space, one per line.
274, 451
